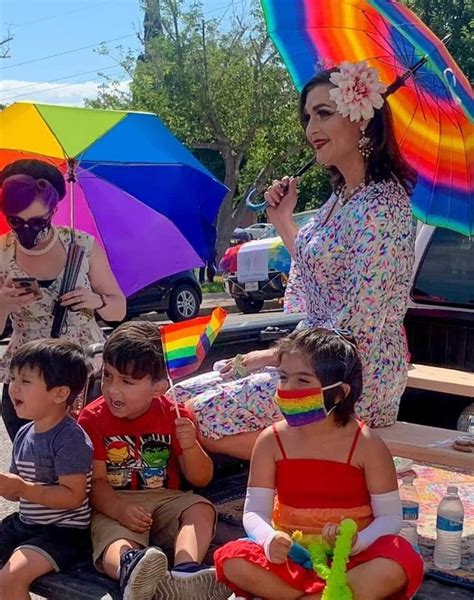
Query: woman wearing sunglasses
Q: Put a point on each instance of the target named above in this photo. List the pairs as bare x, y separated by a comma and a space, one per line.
32, 261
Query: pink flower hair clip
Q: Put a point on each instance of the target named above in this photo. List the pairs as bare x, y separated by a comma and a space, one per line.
358, 90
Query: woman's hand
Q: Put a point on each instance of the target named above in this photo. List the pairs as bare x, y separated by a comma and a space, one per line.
279, 548
12, 298
81, 298
282, 197
243, 364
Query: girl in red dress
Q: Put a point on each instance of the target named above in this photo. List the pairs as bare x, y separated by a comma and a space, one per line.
310, 471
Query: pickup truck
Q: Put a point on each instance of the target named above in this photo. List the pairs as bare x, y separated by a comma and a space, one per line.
258, 270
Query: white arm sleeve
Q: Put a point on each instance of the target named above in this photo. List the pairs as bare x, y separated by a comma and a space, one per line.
387, 511
258, 509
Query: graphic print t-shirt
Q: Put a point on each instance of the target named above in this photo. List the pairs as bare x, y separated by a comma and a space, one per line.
139, 454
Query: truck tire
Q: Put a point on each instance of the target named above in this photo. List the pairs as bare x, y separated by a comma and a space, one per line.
249, 305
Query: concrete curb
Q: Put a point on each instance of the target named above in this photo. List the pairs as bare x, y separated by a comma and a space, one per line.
211, 301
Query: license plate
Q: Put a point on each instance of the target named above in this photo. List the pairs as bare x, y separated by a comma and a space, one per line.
251, 286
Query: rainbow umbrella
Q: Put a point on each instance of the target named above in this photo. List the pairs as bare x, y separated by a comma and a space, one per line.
135, 187
434, 109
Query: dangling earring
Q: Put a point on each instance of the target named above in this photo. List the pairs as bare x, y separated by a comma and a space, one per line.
365, 144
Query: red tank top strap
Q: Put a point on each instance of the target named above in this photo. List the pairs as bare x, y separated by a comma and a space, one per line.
361, 425
278, 439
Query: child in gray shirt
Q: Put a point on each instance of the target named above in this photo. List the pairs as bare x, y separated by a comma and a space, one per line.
50, 472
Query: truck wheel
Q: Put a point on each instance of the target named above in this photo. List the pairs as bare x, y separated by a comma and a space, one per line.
184, 303
249, 305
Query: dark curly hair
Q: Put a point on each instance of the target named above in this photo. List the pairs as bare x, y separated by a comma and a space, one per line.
386, 161
333, 357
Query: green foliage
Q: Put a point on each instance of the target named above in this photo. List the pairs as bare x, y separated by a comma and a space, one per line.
450, 16
225, 94
216, 286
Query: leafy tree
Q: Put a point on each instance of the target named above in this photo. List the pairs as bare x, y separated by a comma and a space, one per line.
450, 16
228, 97
224, 93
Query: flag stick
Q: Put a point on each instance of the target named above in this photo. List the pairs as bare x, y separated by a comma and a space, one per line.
173, 395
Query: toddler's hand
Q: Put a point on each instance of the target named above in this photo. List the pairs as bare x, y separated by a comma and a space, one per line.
186, 433
10, 484
330, 531
279, 548
135, 517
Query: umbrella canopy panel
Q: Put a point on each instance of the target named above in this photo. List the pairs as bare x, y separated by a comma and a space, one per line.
432, 113
138, 190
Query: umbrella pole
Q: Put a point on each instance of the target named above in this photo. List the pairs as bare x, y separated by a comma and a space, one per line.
399, 81
71, 179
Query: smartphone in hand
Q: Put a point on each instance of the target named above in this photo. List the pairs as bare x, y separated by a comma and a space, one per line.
28, 285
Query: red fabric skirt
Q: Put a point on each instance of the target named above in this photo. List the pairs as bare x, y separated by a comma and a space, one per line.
388, 546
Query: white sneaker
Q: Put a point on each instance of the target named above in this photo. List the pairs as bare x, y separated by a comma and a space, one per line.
197, 585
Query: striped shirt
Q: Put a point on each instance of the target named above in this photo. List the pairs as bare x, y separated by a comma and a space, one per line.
43, 457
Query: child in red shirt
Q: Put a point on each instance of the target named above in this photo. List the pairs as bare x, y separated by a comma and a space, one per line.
141, 448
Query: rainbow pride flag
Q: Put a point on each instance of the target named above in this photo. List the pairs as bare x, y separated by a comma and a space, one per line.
186, 344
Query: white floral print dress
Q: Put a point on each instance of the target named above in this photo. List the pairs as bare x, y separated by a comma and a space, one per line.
34, 321
352, 272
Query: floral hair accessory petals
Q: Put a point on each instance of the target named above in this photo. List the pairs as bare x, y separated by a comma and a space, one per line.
358, 90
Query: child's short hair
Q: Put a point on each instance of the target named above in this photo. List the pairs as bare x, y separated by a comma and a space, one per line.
333, 357
135, 349
59, 362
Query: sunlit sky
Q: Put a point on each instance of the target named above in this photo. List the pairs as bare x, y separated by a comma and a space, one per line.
53, 55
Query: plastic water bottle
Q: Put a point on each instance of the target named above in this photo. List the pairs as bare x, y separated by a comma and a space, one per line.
410, 509
449, 522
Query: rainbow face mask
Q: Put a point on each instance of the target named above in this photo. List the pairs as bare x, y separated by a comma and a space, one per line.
305, 406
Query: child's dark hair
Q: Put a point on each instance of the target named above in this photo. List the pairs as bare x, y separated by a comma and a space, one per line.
59, 362
135, 349
333, 357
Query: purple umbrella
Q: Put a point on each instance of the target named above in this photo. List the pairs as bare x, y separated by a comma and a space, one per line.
135, 187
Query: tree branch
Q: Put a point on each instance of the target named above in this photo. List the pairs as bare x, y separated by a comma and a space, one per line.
4, 47
207, 146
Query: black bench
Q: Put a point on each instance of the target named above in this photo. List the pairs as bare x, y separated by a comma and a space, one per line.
79, 584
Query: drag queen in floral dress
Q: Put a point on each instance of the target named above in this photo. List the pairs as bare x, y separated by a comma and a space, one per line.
352, 263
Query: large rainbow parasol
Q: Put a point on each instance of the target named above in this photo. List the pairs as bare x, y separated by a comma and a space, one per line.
434, 109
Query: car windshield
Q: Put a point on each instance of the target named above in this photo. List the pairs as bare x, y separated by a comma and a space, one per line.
300, 219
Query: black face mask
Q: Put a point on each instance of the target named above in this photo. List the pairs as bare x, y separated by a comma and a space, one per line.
31, 232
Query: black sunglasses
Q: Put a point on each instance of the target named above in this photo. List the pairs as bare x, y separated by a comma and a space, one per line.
35, 223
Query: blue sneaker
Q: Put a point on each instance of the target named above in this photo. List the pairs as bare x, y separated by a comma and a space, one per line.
141, 572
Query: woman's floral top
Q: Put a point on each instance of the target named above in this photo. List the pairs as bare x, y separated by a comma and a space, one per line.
353, 272
34, 321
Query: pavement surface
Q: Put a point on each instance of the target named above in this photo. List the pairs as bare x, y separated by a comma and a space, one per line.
212, 300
